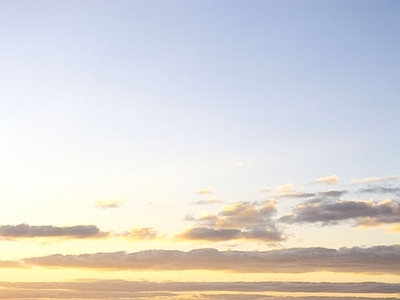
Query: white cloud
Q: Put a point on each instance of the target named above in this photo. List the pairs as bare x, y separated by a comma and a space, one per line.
109, 203
328, 180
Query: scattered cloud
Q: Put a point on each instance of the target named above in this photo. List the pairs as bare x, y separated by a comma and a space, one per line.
142, 234
286, 188
109, 203
204, 191
332, 193
22, 231
364, 213
208, 201
373, 179
328, 180
288, 191
373, 260
242, 220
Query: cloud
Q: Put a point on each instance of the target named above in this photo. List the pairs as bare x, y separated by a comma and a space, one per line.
109, 203
266, 189
288, 191
380, 190
364, 213
328, 180
373, 179
373, 260
242, 220
395, 228
204, 191
26, 231
141, 234
286, 188
217, 235
332, 193
208, 201
9, 264
115, 289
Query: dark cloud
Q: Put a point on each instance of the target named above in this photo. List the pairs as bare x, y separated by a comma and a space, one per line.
333, 193
368, 213
216, 235
242, 220
374, 260
296, 195
380, 190
27, 231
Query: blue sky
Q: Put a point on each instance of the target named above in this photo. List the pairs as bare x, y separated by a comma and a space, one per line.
158, 117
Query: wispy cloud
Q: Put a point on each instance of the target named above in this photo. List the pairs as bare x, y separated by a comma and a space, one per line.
288, 191
208, 201
266, 189
364, 213
382, 190
22, 231
142, 234
373, 260
109, 203
373, 179
328, 180
242, 220
204, 191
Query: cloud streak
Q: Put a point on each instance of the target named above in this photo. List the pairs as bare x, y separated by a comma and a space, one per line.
373, 179
373, 260
109, 204
328, 180
208, 201
204, 191
23, 231
142, 234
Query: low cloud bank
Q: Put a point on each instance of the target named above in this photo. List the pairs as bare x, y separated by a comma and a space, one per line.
373, 260
122, 287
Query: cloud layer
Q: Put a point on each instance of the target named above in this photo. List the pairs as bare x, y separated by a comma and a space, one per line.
373, 260
116, 289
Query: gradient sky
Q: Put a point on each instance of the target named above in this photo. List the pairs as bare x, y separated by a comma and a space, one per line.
172, 149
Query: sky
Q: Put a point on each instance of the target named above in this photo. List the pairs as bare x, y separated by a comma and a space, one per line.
199, 150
